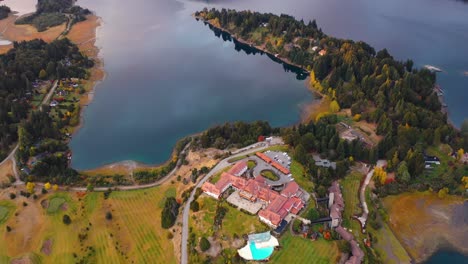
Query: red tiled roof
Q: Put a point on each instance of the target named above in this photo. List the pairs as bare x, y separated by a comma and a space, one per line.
277, 204
238, 167
280, 168
238, 182
291, 189
224, 181
264, 157
209, 187
274, 218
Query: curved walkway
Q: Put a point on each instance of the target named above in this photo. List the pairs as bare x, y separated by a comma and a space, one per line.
362, 196
220, 166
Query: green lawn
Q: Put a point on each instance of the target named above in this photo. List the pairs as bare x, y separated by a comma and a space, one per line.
351, 185
57, 200
300, 250
299, 174
269, 175
251, 164
6, 208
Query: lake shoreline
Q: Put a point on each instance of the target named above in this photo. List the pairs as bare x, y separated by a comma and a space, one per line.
443, 217
308, 110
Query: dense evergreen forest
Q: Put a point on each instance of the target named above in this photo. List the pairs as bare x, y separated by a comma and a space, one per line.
52, 13
400, 99
23, 65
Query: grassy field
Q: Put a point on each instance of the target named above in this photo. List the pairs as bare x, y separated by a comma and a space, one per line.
300, 176
350, 186
269, 175
6, 209
300, 250
251, 164
54, 204
133, 235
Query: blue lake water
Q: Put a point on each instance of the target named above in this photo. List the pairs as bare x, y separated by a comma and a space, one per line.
169, 76
444, 257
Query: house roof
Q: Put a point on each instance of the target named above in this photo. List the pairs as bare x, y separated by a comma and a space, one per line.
274, 218
280, 167
224, 181
264, 157
344, 234
211, 188
238, 167
291, 189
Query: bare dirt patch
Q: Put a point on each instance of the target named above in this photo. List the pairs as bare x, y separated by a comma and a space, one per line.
47, 247
6, 170
25, 225
45, 203
64, 207
215, 248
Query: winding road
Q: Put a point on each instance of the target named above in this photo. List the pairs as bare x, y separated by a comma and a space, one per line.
220, 166
11, 156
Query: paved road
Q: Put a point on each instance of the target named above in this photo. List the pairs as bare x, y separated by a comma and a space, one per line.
46, 99
362, 197
220, 166
11, 157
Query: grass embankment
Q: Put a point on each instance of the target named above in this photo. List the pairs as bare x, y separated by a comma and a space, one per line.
296, 249
301, 177
351, 184
134, 233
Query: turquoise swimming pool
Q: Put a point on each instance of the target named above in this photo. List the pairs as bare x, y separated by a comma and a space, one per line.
260, 253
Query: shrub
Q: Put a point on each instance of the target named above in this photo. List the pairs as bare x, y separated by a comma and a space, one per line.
43, 191
169, 213
25, 204
195, 206
66, 219
109, 216
12, 196
8, 228
204, 244
170, 235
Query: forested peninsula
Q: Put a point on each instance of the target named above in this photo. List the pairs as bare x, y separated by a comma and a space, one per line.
376, 88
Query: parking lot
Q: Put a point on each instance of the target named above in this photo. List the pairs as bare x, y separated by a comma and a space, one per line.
281, 157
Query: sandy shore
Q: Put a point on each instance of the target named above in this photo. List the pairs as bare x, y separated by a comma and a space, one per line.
84, 35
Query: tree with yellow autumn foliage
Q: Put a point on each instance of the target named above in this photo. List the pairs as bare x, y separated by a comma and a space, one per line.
47, 186
334, 107
465, 182
460, 154
30, 187
55, 187
443, 192
380, 174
